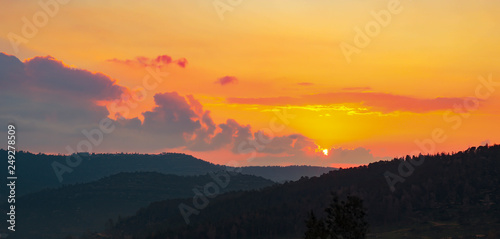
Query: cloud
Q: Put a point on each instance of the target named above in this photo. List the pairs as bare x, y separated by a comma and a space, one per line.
48, 74
382, 102
350, 156
43, 87
159, 61
305, 83
357, 88
182, 62
179, 121
336, 157
173, 117
227, 80
230, 133
294, 144
52, 104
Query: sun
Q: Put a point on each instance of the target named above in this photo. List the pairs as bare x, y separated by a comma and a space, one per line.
325, 152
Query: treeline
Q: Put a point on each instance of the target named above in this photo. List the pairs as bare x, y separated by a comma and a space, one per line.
36, 171
41, 171
460, 189
75, 209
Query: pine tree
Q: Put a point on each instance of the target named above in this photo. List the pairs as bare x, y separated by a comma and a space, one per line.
346, 219
315, 228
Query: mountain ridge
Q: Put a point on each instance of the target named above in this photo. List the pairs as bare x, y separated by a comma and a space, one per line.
36, 171
446, 196
74, 209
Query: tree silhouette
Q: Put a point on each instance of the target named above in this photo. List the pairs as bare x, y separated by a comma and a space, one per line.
344, 220
315, 228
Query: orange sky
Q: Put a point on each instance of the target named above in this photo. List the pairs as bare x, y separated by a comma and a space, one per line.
287, 55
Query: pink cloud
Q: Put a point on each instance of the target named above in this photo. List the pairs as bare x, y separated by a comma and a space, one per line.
227, 80
182, 62
142, 61
357, 88
305, 84
64, 100
54, 103
336, 157
382, 102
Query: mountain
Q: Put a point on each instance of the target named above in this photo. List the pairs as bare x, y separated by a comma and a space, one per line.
74, 209
36, 171
40, 171
436, 196
288, 173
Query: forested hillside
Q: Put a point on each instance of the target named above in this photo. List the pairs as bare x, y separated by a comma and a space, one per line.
41, 171
444, 196
75, 209
288, 173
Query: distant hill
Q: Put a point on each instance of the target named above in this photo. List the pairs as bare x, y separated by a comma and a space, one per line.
288, 173
447, 196
74, 209
35, 171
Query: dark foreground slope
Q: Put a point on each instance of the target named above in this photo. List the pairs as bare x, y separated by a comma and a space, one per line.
75, 209
447, 195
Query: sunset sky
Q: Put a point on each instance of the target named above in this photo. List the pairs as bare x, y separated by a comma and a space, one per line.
428, 69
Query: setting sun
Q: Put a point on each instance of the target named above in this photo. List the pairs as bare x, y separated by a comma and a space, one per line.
325, 152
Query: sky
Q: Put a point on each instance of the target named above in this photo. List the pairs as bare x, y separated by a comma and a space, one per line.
328, 83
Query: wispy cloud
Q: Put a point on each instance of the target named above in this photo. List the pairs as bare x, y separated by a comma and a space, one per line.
382, 102
357, 88
143, 61
305, 83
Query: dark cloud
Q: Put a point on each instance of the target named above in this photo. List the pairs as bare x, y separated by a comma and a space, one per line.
173, 117
12, 74
230, 134
44, 88
293, 144
227, 80
51, 75
52, 104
